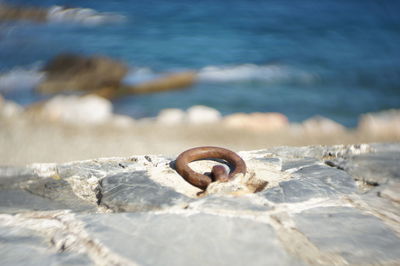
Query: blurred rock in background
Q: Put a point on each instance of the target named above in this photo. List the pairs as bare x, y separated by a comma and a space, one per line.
103, 76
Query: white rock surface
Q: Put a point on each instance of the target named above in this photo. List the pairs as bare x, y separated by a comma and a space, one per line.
381, 123
122, 121
9, 109
263, 122
88, 109
118, 211
171, 116
322, 125
200, 114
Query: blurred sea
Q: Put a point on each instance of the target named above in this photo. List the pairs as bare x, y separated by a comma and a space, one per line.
302, 58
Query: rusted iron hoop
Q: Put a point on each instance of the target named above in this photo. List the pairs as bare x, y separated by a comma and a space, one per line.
208, 152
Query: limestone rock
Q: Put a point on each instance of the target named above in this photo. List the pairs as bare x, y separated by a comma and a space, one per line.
171, 117
9, 109
199, 114
60, 192
23, 190
292, 165
321, 125
374, 168
264, 122
197, 239
119, 211
391, 192
229, 204
10, 176
312, 182
321, 152
136, 192
195, 115
98, 168
88, 109
27, 247
17, 200
122, 121
385, 123
360, 238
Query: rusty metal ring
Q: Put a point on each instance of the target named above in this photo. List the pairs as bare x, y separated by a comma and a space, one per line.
202, 181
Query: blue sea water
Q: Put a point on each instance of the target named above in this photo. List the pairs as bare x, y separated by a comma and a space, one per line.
302, 58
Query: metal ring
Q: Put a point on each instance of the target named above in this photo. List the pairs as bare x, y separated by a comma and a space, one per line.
202, 181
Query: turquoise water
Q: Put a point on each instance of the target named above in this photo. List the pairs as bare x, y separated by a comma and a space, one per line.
337, 59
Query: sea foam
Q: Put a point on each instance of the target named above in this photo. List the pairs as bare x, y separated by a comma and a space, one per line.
238, 73
138, 75
252, 72
20, 79
85, 16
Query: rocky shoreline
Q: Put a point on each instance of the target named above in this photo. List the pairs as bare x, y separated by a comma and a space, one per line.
91, 110
322, 205
69, 128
